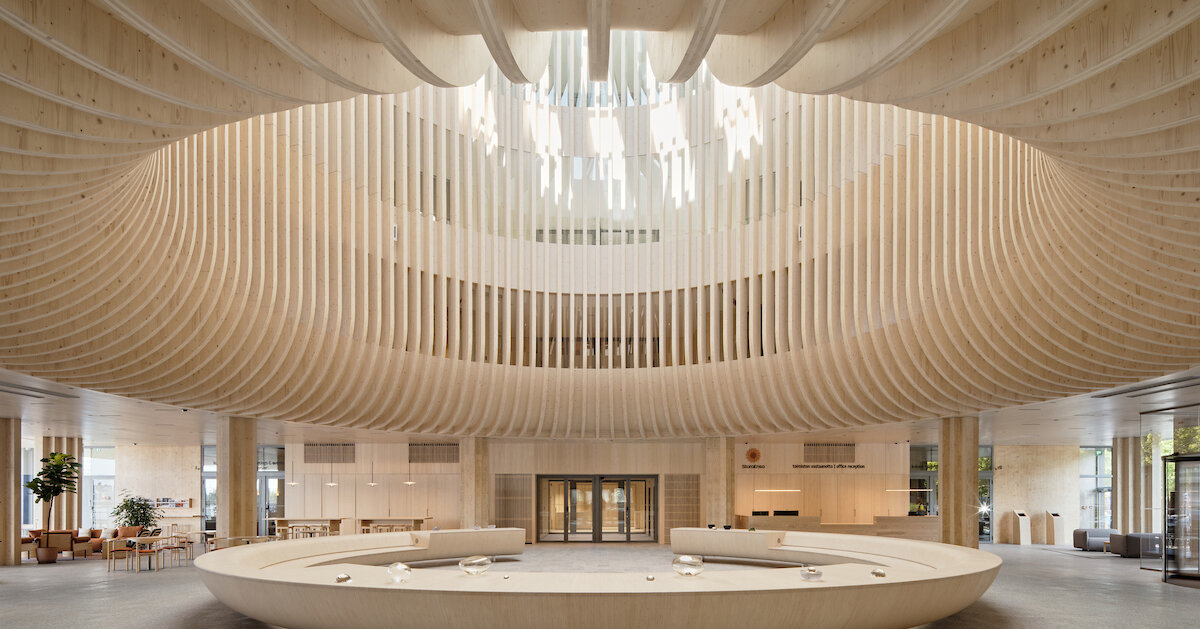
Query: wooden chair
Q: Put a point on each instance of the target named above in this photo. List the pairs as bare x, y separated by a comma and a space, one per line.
154, 550
115, 548
188, 544
176, 550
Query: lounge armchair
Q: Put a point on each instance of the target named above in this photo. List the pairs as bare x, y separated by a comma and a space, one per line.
1092, 539
1130, 545
61, 541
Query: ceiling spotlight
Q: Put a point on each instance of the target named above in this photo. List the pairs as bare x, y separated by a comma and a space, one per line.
410, 482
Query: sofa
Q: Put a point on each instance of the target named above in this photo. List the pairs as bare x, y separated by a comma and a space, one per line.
1092, 539
83, 542
1131, 544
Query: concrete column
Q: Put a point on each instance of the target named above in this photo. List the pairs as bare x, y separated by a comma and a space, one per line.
958, 481
1129, 486
718, 481
475, 494
237, 475
68, 508
10, 491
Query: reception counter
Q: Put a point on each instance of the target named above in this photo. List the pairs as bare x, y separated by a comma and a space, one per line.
924, 528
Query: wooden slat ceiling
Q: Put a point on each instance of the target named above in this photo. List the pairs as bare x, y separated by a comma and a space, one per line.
198, 202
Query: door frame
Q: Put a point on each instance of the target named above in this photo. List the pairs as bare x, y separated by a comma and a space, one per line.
265, 525
597, 506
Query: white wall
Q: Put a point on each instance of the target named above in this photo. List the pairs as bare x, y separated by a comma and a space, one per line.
435, 494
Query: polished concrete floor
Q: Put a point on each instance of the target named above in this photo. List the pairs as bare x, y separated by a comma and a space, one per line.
1038, 587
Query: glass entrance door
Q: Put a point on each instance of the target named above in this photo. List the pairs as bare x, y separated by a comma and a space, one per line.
642, 517
597, 509
270, 501
613, 511
1181, 531
580, 514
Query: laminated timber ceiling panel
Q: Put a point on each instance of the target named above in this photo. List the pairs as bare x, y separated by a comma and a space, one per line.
232, 205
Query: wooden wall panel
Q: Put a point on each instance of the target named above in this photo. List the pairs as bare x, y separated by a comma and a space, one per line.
161, 472
1034, 479
837, 495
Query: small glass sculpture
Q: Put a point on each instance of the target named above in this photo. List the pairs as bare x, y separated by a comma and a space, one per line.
878, 572
342, 578
810, 574
398, 573
475, 564
688, 565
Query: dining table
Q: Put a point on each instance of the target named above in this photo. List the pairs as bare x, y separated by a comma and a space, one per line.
138, 543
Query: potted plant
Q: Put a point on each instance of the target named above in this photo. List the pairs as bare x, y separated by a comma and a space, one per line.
60, 473
136, 511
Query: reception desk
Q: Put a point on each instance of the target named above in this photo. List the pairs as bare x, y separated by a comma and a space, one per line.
924, 528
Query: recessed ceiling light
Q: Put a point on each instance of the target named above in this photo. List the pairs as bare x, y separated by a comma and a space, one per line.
13, 385
22, 394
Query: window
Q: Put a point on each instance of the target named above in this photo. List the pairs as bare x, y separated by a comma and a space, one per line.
26, 495
271, 469
985, 493
1095, 487
98, 486
923, 485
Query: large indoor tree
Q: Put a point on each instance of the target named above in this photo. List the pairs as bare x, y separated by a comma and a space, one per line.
60, 473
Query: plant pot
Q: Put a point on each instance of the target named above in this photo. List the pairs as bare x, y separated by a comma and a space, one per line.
46, 555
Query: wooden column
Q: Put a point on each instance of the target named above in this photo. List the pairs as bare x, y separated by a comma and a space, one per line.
68, 508
958, 479
10, 491
1154, 486
237, 473
1130, 471
473, 465
718, 481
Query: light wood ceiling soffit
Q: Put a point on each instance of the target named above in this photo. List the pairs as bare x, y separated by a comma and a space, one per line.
198, 202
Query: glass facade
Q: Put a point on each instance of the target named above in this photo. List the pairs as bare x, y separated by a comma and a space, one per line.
1095, 487
27, 472
270, 489
923, 485
98, 486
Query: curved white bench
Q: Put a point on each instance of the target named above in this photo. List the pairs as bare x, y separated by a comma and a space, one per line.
291, 584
